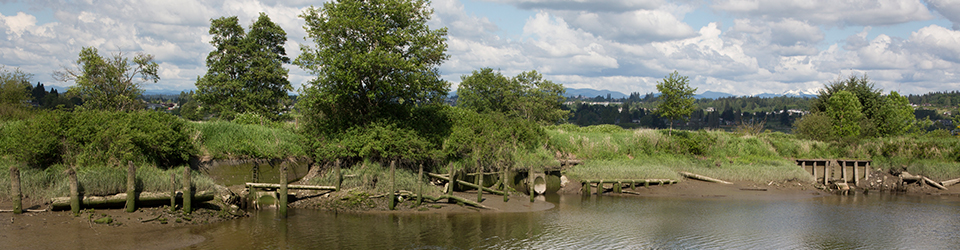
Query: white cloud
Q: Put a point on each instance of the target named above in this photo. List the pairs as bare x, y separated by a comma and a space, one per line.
949, 9
829, 12
585, 5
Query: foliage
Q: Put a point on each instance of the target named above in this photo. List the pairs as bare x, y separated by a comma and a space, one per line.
816, 126
896, 115
527, 95
13, 94
844, 109
43, 184
370, 58
230, 140
110, 84
245, 73
99, 137
676, 97
491, 138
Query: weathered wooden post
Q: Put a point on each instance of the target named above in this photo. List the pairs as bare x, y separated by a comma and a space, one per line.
617, 187
814, 167
453, 181
506, 194
131, 187
600, 188
393, 186
826, 173
633, 185
173, 191
336, 170
479, 182
420, 185
531, 181
843, 170
187, 191
586, 188
74, 192
15, 190
283, 191
856, 174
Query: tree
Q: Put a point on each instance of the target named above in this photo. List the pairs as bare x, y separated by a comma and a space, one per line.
245, 73
373, 60
676, 98
527, 95
110, 84
14, 97
844, 109
896, 115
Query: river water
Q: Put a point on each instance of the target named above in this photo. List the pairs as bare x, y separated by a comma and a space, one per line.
874, 221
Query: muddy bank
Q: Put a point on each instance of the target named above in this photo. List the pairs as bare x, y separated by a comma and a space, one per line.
147, 228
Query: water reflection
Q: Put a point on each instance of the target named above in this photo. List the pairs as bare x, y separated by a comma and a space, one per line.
606, 222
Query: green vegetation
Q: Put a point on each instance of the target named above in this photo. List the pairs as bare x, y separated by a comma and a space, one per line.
230, 140
676, 98
372, 176
43, 184
527, 95
245, 73
110, 84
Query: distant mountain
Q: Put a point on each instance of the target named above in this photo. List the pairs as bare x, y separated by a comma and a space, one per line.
791, 93
594, 93
712, 95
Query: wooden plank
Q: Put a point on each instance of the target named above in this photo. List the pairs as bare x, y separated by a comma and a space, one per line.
275, 185
703, 178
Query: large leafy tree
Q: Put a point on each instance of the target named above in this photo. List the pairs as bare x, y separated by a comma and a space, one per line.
110, 84
245, 72
373, 59
14, 96
844, 109
895, 116
527, 95
676, 98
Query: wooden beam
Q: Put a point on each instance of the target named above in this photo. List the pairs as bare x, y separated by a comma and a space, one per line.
703, 178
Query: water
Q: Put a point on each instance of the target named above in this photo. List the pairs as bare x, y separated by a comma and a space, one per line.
876, 221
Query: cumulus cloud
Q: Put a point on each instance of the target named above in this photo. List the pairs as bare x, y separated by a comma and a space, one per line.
829, 12
947, 8
585, 5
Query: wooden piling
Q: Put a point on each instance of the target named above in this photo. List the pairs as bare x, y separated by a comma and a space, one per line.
187, 191
826, 173
15, 190
453, 178
420, 185
131, 187
531, 179
646, 183
843, 171
506, 195
74, 192
173, 192
586, 188
283, 191
617, 187
479, 182
600, 188
814, 168
392, 195
856, 174
633, 185
336, 170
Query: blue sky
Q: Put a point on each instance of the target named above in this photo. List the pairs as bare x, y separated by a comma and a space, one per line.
742, 47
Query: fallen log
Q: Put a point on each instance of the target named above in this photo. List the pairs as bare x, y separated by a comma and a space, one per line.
118, 200
703, 178
24, 210
909, 177
277, 186
950, 182
493, 191
933, 183
458, 199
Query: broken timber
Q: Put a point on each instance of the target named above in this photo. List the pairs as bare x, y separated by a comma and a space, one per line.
703, 178
493, 191
277, 186
61, 203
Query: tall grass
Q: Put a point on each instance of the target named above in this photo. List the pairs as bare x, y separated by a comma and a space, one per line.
373, 177
645, 153
227, 140
94, 181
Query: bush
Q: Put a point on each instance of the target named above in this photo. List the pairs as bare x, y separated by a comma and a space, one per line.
102, 138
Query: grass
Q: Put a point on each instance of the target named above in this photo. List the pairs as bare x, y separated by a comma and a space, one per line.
612, 152
228, 140
374, 178
94, 181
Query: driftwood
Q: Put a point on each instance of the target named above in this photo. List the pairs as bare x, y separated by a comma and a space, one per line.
949, 182
458, 199
493, 191
275, 185
153, 219
60, 203
24, 210
703, 178
909, 177
933, 183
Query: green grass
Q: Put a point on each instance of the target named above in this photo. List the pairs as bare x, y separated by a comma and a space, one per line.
94, 181
667, 167
228, 140
371, 176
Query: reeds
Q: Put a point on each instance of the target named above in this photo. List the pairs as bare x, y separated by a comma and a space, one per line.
227, 140
94, 181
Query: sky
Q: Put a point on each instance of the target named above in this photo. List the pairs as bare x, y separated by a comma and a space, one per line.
741, 47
